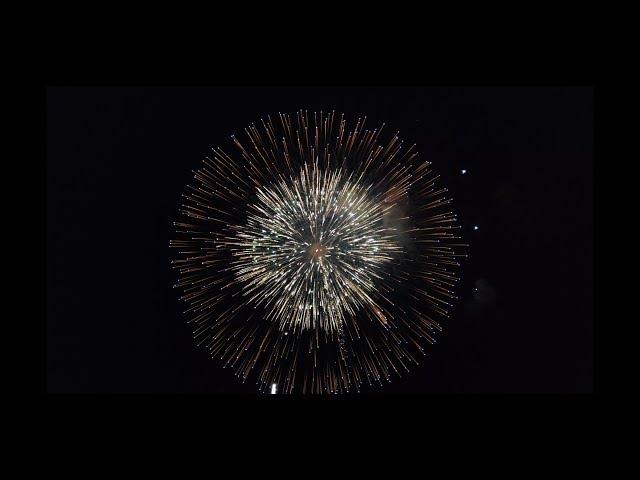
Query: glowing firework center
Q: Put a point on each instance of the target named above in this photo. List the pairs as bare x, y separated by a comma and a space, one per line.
311, 250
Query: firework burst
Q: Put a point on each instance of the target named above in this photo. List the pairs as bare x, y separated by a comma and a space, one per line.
317, 258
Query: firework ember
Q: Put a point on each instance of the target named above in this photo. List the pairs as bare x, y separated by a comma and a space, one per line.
316, 259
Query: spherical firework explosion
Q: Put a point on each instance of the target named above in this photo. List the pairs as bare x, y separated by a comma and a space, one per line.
317, 259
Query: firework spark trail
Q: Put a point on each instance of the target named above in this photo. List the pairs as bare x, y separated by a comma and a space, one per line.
298, 264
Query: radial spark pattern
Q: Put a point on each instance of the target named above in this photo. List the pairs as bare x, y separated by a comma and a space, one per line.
317, 258
312, 249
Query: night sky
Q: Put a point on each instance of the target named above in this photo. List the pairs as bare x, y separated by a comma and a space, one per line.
119, 158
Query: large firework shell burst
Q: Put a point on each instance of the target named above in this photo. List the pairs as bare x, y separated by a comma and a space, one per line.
316, 258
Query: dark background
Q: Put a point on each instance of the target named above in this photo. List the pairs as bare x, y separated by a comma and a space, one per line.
119, 158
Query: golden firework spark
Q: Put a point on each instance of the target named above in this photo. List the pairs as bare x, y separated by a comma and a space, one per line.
298, 263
